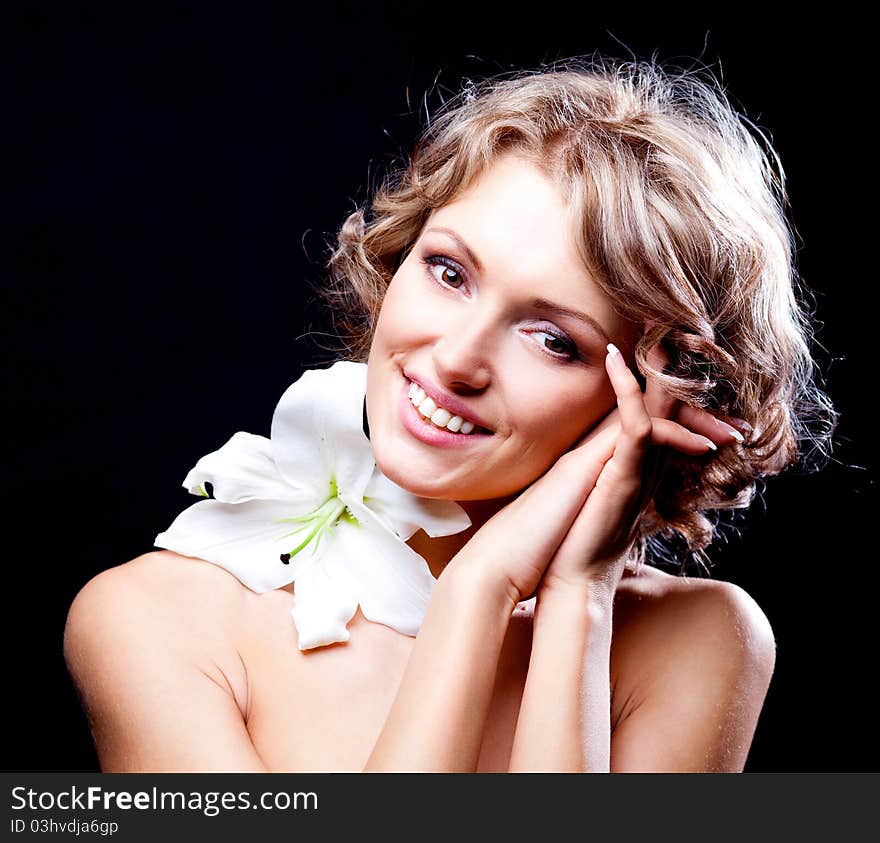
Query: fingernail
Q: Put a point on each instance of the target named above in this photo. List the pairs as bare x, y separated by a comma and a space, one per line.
616, 356
704, 440
742, 424
730, 429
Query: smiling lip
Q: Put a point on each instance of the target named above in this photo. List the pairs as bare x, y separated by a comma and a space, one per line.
425, 430
447, 401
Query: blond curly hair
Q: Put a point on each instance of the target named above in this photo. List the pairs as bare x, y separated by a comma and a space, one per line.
682, 214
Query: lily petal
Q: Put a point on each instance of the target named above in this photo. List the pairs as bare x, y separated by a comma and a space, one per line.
310, 506
246, 539
242, 470
392, 582
323, 604
317, 428
404, 513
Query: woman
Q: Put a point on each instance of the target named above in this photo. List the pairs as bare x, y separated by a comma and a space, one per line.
558, 243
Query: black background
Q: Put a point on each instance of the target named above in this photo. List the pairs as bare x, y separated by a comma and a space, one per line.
175, 174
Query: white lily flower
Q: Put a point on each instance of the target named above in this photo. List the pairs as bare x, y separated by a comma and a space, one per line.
310, 506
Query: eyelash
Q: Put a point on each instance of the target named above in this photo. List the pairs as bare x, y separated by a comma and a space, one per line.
440, 260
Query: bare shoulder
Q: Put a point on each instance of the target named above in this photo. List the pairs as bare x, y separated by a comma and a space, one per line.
173, 574
151, 647
681, 606
692, 660
658, 615
177, 588
188, 607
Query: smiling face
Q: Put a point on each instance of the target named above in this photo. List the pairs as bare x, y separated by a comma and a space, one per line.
460, 315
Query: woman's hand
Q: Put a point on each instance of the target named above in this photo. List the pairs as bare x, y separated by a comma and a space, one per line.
621, 460
518, 543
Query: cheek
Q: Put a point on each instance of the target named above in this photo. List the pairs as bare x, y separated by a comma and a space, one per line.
557, 424
399, 315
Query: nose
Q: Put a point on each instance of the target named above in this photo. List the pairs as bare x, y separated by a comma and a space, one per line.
462, 353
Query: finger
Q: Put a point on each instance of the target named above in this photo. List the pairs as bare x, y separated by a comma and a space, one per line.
588, 450
609, 514
572, 477
675, 435
663, 432
611, 420
661, 404
553, 501
635, 422
702, 421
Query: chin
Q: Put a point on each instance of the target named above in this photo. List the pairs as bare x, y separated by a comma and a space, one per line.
403, 477
436, 490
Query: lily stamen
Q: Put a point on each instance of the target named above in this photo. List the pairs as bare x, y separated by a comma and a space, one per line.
320, 520
352, 518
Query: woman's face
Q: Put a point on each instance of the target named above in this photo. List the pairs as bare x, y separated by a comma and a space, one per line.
460, 316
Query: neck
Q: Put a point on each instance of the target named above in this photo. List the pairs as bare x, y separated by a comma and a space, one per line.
438, 552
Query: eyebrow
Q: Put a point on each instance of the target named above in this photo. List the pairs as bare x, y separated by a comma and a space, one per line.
537, 302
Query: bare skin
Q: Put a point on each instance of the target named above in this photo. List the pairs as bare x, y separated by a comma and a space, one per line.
239, 702
181, 668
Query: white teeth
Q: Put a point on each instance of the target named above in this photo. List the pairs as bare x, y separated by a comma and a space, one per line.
427, 407
439, 416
